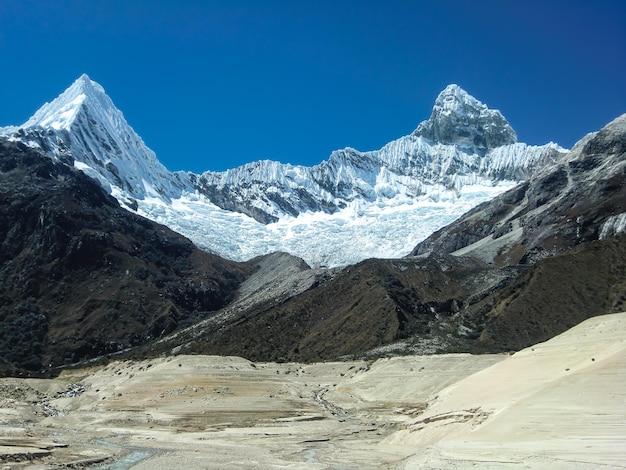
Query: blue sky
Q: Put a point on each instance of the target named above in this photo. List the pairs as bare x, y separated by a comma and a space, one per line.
210, 85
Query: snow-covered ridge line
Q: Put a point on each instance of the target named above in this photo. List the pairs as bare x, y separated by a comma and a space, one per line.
352, 206
406, 168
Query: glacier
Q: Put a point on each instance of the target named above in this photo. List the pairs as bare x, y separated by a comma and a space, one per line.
352, 206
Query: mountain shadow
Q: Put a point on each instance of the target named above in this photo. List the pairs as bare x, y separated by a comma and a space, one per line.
512, 272
81, 277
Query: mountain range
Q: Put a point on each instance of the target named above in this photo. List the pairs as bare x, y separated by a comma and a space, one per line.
514, 271
488, 245
353, 206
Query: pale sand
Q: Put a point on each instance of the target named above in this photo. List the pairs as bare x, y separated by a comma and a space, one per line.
560, 404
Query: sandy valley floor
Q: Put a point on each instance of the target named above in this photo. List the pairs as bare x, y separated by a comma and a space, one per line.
560, 404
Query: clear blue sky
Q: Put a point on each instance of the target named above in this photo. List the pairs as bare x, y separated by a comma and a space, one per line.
210, 85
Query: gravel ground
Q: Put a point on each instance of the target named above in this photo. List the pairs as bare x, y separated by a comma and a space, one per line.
560, 404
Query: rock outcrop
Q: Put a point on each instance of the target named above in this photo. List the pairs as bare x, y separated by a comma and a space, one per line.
580, 199
460, 119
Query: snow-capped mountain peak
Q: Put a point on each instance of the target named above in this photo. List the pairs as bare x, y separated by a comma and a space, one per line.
460, 119
61, 113
462, 143
352, 206
82, 126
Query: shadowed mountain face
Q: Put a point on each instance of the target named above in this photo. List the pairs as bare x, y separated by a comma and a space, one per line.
80, 277
343, 313
439, 304
515, 271
580, 199
555, 294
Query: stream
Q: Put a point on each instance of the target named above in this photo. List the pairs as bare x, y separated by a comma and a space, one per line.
135, 455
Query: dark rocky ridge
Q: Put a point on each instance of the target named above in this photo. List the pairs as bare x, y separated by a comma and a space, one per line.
553, 295
80, 277
538, 266
512, 272
347, 313
438, 304
563, 206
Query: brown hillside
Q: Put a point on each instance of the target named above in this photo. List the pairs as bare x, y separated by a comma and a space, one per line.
79, 276
556, 294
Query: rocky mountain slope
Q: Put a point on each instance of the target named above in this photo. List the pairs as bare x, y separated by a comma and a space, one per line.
80, 276
514, 271
580, 199
353, 206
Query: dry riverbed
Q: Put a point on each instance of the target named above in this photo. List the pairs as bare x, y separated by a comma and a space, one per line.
560, 404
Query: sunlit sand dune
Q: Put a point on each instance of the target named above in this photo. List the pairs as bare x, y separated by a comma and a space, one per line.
559, 404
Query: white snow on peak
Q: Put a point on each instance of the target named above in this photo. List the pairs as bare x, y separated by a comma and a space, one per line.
353, 206
407, 169
453, 100
83, 125
60, 113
